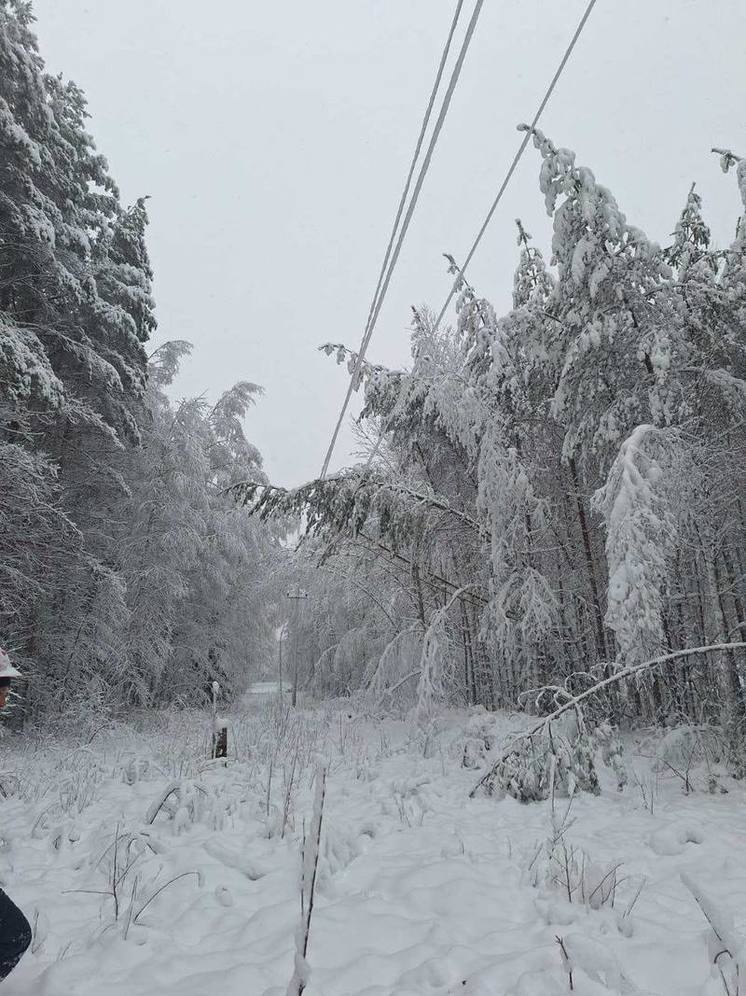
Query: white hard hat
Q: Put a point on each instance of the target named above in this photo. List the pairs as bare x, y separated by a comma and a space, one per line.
6, 668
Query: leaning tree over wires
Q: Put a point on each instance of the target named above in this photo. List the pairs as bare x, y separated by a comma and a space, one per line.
559, 490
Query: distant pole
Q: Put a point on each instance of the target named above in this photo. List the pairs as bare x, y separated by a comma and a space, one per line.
296, 597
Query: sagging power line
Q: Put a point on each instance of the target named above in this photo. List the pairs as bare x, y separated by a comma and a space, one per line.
392, 255
528, 131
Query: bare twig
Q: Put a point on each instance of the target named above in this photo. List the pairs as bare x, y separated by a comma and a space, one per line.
160, 890
565, 960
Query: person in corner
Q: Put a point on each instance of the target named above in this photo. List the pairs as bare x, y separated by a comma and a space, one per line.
15, 932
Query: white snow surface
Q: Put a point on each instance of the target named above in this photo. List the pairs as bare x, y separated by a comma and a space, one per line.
420, 889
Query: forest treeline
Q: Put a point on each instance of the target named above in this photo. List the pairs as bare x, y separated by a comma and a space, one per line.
544, 496
126, 574
553, 494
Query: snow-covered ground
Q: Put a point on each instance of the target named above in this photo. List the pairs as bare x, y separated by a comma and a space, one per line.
268, 687
421, 890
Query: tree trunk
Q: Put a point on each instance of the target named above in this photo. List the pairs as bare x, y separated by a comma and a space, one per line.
590, 567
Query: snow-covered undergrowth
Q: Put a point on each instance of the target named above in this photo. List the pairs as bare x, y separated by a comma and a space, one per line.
146, 868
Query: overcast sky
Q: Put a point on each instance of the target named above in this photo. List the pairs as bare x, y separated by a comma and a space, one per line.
273, 139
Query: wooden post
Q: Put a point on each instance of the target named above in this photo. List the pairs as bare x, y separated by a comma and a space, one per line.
220, 742
219, 727
279, 642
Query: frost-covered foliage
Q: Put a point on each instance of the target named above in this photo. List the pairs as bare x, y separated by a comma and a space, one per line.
123, 568
196, 570
559, 761
556, 492
639, 534
550, 491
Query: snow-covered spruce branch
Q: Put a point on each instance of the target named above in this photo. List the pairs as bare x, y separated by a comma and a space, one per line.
437, 579
343, 354
573, 702
343, 501
433, 501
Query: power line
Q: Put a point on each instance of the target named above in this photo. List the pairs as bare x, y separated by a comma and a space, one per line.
517, 157
529, 129
415, 157
392, 257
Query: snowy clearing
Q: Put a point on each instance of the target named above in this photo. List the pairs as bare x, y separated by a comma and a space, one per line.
421, 890
466, 713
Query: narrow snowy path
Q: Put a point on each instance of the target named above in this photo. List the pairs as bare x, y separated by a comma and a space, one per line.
421, 890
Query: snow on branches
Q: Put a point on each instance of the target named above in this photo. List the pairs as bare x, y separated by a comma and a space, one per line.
639, 534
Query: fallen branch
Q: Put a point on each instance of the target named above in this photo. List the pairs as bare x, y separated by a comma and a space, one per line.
627, 672
728, 945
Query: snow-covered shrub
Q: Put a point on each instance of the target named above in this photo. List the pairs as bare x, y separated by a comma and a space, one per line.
567, 872
347, 738
131, 875
560, 867
473, 752
579, 879
136, 769
410, 800
690, 753
607, 738
186, 802
558, 759
647, 786
87, 719
678, 752
429, 735
479, 737
77, 789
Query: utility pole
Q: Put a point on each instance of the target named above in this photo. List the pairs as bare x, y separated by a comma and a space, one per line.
296, 597
281, 639
279, 645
